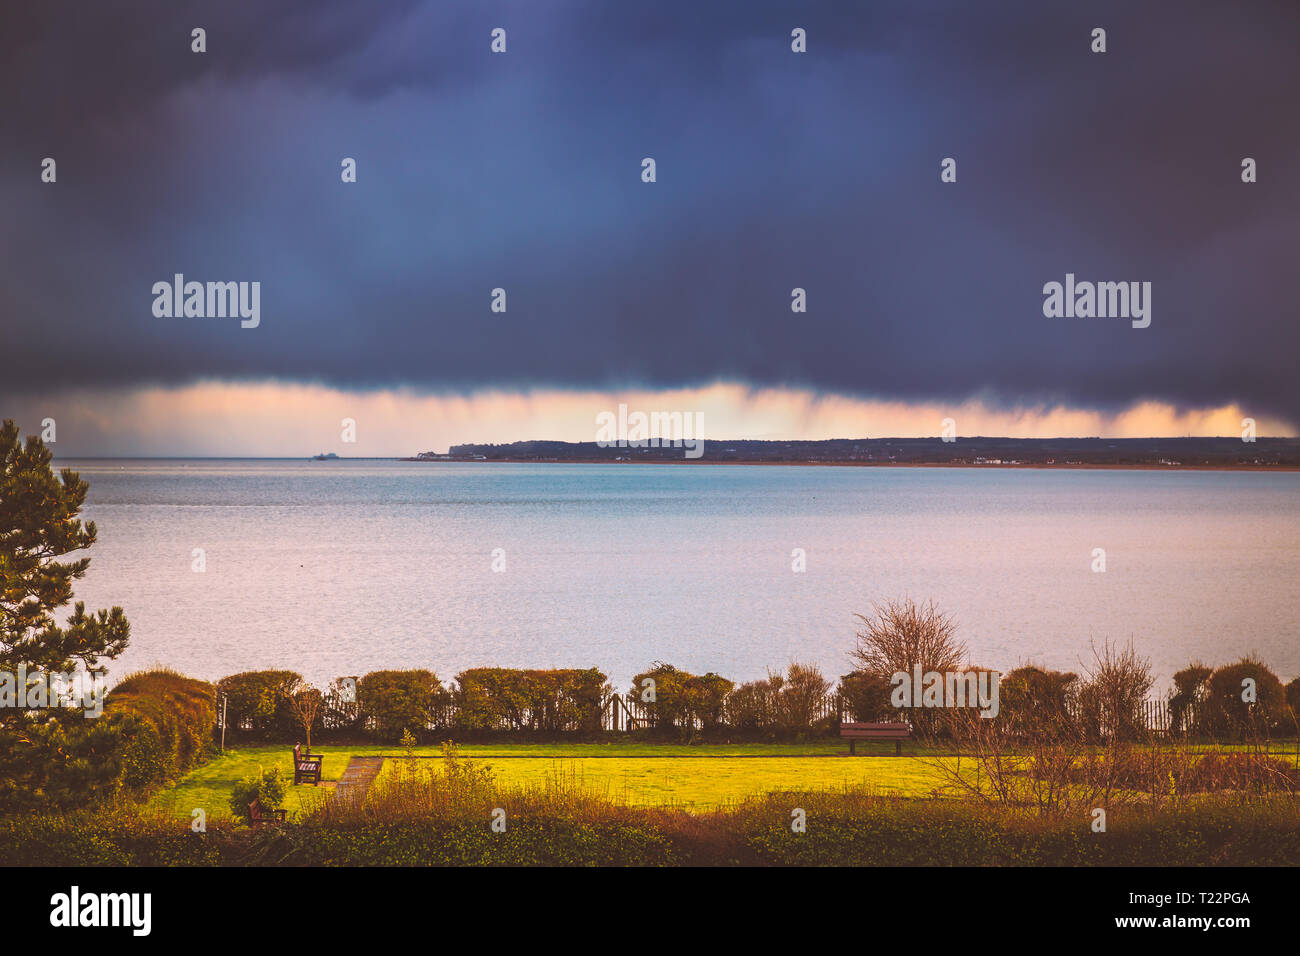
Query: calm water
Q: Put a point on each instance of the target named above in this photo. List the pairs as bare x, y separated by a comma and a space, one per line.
334, 568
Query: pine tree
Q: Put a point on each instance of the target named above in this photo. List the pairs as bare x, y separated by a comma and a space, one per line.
39, 524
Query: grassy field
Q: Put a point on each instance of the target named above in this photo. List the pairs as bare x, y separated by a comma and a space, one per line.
695, 777
642, 774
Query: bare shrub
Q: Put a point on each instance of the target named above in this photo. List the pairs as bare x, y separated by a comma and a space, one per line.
1111, 700
898, 635
901, 635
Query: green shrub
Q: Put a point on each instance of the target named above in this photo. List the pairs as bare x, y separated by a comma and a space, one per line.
865, 697
1032, 701
156, 726
1226, 715
842, 829
681, 701
535, 700
257, 703
391, 702
60, 760
267, 788
171, 732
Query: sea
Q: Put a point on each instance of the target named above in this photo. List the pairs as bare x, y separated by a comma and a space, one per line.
337, 568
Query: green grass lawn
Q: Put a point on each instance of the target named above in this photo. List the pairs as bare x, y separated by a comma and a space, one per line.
209, 786
640, 773
712, 781
699, 776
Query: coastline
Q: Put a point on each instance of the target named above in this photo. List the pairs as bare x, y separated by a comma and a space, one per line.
1072, 466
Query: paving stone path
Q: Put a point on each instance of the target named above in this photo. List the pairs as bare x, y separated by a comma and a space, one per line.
357, 777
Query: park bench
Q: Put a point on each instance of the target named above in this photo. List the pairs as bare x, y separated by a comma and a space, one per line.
895, 732
257, 817
306, 767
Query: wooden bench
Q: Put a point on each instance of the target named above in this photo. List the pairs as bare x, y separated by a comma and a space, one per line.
895, 732
257, 817
306, 767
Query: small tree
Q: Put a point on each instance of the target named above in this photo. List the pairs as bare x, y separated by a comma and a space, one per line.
306, 704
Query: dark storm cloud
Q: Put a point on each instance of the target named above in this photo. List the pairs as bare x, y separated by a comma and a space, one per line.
775, 170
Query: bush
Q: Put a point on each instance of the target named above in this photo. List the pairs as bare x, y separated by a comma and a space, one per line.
267, 788
1225, 715
681, 700
1191, 684
256, 701
752, 706
1032, 701
341, 711
1110, 702
59, 760
789, 702
538, 700
1293, 705
171, 732
155, 727
865, 697
395, 701
844, 828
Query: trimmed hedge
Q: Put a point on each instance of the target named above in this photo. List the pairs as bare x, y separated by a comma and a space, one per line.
156, 726
391, 702
168, 725
490, 698
256, 703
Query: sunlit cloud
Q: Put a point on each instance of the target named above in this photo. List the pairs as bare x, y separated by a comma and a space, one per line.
289, 419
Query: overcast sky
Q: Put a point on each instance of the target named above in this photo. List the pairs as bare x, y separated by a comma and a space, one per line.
522, 171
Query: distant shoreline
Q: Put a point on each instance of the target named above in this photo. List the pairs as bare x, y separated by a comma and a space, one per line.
1217, 453
1076, 466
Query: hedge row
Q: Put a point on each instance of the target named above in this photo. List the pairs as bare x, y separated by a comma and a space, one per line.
841, 830
156, 726
1032, 701
386, 703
